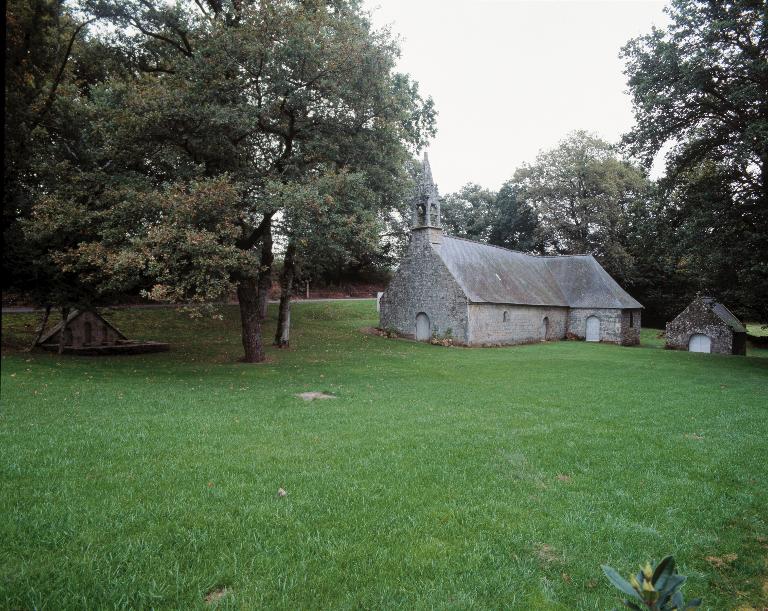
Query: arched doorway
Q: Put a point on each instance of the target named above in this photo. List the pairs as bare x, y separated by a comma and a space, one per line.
593, 329
545, 328
422, 327
699, 343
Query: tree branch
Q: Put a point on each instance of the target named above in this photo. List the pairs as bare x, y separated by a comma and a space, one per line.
59, 75
248, 242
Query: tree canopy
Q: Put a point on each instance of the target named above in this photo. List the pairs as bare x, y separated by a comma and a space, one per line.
579, 197
214, 105
700, 87
583, 195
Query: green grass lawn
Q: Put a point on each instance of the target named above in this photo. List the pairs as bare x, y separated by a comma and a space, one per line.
439, 477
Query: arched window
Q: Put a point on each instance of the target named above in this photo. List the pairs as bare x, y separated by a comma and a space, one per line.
505, 316
545, 328
87, 333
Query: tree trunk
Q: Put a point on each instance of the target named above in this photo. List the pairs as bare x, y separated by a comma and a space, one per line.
265, 272
43, 325
287, 276
248, 296
63, 332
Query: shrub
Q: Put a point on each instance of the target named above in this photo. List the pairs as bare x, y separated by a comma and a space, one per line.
653, 588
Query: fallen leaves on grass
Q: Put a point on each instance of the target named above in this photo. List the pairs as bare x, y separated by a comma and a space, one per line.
694, 436
561, 477
311, 396
720, 562
281, 493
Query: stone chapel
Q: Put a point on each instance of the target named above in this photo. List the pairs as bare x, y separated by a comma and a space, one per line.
479, 294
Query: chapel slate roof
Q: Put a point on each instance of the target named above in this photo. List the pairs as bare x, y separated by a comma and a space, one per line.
491, 274
724, 314
587, 285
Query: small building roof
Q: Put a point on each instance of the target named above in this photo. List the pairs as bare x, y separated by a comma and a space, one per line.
491, 274
74, 314
724, 314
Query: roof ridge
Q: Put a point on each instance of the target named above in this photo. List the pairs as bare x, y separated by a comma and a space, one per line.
519, 252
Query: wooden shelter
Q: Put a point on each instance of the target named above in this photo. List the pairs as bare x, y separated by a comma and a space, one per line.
86, 332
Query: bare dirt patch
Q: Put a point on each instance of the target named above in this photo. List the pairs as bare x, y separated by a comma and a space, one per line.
547, 553
723, 561
311, 396
214, 596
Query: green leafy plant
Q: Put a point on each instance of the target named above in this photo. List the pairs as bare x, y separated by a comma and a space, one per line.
656, 588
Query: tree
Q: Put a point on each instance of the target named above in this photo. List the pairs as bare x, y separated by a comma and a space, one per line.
501, 219
42, 39
513, 222
50, 67
701, 87
468, 213
225, 99
582, 194
325, 219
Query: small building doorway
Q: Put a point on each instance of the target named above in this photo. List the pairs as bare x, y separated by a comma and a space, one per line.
699, 343
545, 328
422, 327
593, 329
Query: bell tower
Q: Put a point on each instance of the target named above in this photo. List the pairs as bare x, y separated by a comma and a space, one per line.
426, 207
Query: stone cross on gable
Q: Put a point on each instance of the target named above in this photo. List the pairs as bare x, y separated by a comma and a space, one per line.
426, 204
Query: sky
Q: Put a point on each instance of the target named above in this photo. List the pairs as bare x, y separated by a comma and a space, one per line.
512, 77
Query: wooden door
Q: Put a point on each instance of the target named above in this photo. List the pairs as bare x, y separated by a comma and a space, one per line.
422, 327
593, 329
699, 343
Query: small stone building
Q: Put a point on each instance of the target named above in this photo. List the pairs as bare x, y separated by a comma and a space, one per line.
707, 326
486, 295
88, 333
